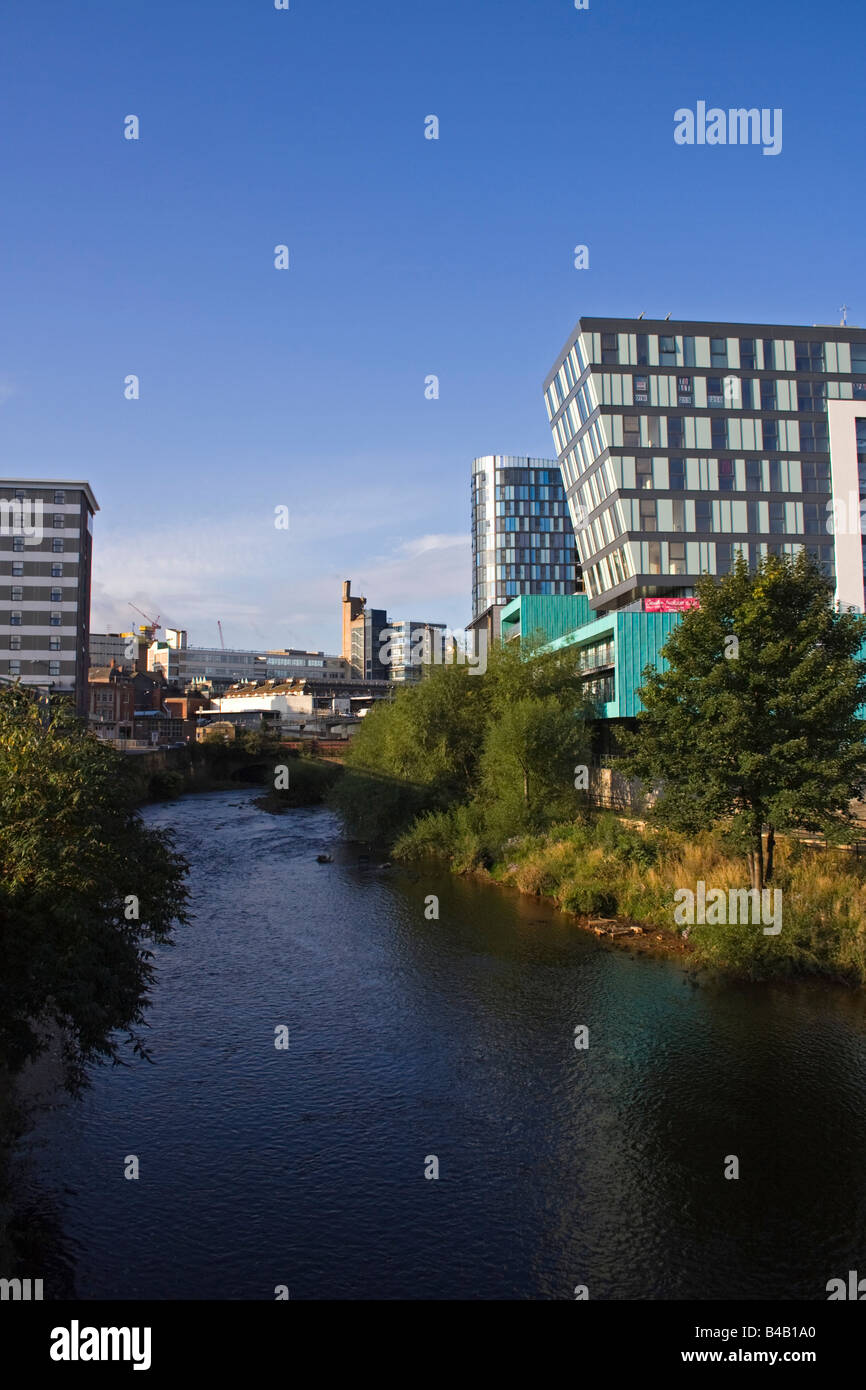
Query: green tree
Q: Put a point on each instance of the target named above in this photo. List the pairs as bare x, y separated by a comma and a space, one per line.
86, 891
755, 722
530, 752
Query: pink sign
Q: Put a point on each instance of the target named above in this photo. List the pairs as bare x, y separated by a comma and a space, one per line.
669, 605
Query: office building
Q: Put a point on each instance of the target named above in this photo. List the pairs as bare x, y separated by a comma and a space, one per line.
46, 535
522, 537
683, 444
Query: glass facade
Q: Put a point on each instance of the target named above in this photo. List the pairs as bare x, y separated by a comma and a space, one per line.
684, 444
522, 536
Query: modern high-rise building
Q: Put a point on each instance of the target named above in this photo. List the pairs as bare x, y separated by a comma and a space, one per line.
522, 537
683, 444
46, 535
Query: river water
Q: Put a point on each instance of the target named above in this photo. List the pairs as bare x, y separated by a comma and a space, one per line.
411, 1039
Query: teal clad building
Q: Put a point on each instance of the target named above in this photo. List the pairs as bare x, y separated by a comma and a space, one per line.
611, 649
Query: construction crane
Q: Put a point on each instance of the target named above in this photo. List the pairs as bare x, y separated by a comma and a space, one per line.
153, 623
222, 641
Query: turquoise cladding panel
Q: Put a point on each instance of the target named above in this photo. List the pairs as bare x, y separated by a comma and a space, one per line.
553, 614
639, 639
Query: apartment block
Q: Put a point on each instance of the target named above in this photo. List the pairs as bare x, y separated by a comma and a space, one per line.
683, 444
522, 536
46, 539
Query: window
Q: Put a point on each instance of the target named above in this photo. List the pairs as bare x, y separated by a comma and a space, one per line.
59, 498
809, 356
718, 431
677, 557
813, 519
17, 593
643, 350
679, 511
54, 644
675, 431
15, 668
648, 518
654, 557
769, 355
57, 544
768, 394
724, 557
677, 474
703, 514
810, 396
17, 542
752, 518
858, 357
59, 521
56, 595
644, 472
55, 620
18, 569
667, 350
631, 429
726, 475
754, 480
54, 668
816, 476
748, 353
777, 518
747, 393
715, 391
15, 644
609, 348
718, 352
814, 438
688, 352
775, 468
771, 434
56, 570
16, 618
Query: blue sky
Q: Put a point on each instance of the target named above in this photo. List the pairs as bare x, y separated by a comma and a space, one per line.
409, 257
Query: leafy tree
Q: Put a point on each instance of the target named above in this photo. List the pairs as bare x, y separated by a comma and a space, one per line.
530, 752
755, 723
86, 890
436, 744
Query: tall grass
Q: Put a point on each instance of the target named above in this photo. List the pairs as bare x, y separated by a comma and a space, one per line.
602, 867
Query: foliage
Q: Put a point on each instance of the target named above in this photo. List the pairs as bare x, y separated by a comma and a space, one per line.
754, 722
73, 852
503, 743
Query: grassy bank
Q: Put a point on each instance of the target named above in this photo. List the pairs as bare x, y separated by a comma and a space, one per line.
601, 867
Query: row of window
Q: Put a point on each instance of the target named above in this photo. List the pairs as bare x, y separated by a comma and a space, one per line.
22, 495
16, 594
18, 570
16, 618
14, 668
57, 544
15, 643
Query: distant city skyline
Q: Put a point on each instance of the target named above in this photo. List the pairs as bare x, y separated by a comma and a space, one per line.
409, 257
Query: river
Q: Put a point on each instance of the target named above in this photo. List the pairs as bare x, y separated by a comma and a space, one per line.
411, 1039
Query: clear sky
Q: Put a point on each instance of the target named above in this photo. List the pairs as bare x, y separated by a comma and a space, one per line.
408, 257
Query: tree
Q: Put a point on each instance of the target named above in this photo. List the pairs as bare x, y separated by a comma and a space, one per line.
530, 752
86, 891
755, 720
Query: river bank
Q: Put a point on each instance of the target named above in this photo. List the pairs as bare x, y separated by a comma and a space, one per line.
609, 875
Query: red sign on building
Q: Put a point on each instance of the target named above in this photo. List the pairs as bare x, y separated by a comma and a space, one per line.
669, 605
